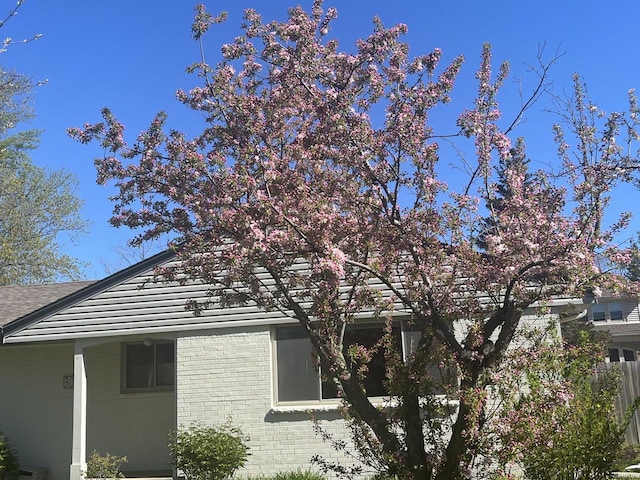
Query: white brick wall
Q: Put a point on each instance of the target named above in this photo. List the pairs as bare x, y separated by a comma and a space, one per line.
227, 373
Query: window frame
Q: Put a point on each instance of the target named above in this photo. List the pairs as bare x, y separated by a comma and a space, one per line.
406, 336
617, 354
619, 311
124, 367
607, 312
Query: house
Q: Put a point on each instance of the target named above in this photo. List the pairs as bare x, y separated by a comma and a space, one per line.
116, 365
620, 317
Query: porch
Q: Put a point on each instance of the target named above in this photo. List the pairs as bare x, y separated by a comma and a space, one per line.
110, 418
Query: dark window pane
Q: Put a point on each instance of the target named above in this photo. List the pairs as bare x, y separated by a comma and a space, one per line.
366, 336
164, 364
139, 366
614, 355
598, 312
329, 387
297, 365
629, 355
615, 311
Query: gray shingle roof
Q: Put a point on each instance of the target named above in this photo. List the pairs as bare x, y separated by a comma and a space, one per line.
620, 329
19, 300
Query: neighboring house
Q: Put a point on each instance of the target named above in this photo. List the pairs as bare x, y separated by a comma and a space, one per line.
116, 365
620, 316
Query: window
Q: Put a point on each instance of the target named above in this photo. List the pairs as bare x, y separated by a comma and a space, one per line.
598, 312
627, 355
601, 312
299, 372
147, 367
615, 311
614, 355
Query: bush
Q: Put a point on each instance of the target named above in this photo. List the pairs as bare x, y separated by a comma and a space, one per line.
563, 425
591, 440
9, 465
629, 455
107, 466
208, 453
296, 475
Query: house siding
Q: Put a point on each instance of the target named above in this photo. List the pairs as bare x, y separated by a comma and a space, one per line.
140, 305
226, 374
35, 408
630, 311
135, 425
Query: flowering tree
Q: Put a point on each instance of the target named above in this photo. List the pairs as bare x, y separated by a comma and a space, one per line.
562, 420
316, 188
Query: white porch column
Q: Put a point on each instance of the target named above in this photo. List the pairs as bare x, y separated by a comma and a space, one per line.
79, 453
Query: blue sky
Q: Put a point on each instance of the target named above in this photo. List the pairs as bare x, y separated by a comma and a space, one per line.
131, 57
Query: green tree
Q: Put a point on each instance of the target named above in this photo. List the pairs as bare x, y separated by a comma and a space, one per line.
577, 434
632, 272
575, 330
517, 163
38, 205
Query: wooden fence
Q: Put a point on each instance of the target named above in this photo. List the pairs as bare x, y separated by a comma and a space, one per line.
629, 390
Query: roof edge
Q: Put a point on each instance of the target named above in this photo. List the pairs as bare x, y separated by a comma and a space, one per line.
84, 293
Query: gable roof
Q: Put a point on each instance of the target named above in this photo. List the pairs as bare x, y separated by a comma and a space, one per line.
24, 305
19, 300
132, 302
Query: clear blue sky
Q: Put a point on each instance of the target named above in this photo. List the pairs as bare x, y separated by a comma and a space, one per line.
131, 56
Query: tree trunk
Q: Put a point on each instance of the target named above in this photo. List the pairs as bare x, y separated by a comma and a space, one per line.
357, 400
416, 455
457, 450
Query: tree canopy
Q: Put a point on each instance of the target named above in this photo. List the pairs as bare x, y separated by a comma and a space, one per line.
315, 156
38, 206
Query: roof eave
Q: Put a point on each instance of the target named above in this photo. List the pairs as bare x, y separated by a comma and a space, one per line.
78, 296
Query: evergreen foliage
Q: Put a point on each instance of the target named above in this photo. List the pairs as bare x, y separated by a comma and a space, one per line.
9, 466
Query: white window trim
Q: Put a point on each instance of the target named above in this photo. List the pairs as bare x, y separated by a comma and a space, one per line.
326, 404
333, 405
607, 312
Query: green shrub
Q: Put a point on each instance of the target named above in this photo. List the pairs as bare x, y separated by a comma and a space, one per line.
298, 475
208, 453
564, 424
295, 475
107, 466
629, 455
9, 465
